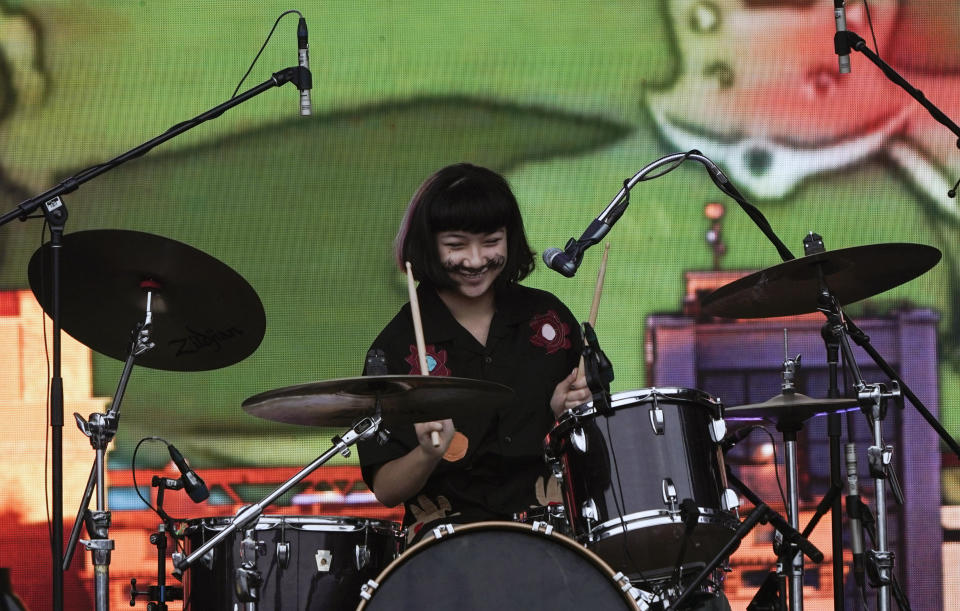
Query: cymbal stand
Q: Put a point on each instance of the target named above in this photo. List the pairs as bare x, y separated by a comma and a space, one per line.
813, 244
245, 518
101, 429
873, 401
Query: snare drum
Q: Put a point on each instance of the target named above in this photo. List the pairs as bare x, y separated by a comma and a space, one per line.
497, 566
625, 475
306, 562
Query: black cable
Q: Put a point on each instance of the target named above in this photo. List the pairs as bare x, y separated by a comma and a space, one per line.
876, 47
133, 468
776, 469
250, 69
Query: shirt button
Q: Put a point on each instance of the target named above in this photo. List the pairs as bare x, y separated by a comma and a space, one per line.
488, 359
508, 439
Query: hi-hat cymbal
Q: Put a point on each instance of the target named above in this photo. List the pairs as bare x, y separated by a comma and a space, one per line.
792, 287
402, 399
788, 410
205, 315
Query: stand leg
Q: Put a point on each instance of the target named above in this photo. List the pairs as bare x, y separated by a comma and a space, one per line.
795, 570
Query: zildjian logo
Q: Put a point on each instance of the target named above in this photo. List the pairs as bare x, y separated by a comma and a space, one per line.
196, 341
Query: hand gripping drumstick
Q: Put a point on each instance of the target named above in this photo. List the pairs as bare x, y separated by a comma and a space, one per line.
597, 292
418, 332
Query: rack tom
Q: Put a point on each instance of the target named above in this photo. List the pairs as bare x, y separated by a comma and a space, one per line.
625, 477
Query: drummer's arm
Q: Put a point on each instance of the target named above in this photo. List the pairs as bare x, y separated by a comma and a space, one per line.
402, 478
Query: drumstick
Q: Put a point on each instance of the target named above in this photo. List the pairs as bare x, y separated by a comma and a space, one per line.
597, 292
418, 332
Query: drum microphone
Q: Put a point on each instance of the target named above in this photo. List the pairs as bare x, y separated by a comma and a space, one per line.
567, 261
841, 45
853, 514
192, 483
305, 82
735, 437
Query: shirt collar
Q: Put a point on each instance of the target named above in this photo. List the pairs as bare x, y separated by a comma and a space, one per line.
440, 325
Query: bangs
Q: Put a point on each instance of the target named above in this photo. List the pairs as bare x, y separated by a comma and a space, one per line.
472, 205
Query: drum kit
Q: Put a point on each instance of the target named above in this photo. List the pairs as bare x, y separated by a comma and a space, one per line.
649, 517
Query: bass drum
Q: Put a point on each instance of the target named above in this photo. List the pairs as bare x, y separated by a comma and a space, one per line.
497, 566
306, 562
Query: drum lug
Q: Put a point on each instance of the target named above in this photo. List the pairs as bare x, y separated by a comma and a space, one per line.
556, 469
324, 558
362, 557
669, 493
579, 440
367, 589
283, 554
656, 419
589, 510
730, 500
718, 429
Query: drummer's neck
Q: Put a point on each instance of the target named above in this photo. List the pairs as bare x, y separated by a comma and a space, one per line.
473, 313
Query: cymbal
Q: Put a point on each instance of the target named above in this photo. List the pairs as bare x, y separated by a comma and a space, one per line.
788, 410
403, 399
792, 287
205, 315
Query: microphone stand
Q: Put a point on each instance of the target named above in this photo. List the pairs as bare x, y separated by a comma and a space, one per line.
54, 210
762, 513
568, 260
362, 429
845, 41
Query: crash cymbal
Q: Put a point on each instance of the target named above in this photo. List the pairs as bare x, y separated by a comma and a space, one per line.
792, 287
788, 410
205, 315
403, 399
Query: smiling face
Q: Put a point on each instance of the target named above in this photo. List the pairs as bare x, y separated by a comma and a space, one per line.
473, 261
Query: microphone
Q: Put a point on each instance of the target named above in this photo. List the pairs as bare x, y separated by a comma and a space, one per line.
735, 437
853, 514
840, 43
559, 261
567, 261
304, 84
191, 481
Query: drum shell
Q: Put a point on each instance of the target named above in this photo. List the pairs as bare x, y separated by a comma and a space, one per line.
498, 566
302, 584
617, 464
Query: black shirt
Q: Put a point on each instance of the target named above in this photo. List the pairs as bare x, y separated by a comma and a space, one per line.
533, 343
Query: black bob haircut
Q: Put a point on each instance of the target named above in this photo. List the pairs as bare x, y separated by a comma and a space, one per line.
461, 197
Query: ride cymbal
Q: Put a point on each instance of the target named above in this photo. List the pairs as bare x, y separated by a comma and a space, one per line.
792, 287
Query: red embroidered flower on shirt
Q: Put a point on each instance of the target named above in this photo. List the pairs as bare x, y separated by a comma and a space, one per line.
436, 361
550, 332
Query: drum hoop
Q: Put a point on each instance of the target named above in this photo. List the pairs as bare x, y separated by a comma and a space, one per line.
303, 523
670, 395
657, 517
460, 529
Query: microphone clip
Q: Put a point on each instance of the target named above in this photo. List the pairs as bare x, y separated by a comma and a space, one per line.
598, 371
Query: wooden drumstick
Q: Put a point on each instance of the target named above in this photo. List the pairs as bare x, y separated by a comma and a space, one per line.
597, 292
418, 332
